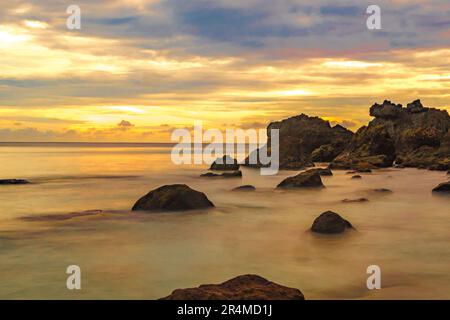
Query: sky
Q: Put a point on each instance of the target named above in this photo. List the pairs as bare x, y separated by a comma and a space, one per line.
138, 69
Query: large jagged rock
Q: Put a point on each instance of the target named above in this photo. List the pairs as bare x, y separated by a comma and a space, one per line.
226, 163
307, 179
305, 139
246, 287
414, 136
174, 197
330, 223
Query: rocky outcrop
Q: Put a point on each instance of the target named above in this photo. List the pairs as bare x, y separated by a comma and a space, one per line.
226, 163
13, 181
245, 188
443, 187
330, 223
246, 287
234, 174
307, 179
305, 139
383, 190
414, 136
174, 197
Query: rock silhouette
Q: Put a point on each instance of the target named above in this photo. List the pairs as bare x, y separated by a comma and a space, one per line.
330, 223
246, 287
174, 197
307, 179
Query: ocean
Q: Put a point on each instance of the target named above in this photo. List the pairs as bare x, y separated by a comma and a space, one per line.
125, 255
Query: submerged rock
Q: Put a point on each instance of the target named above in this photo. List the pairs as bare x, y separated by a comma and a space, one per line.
383, 190
226, 163
357, 177
245, 188
63, 216
304, 139
355, 200
13, 181
330, 223
246, 287
307, 179
234, 174
443, 187
174, 197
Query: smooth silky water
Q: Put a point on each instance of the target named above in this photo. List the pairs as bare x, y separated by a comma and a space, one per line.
125, 255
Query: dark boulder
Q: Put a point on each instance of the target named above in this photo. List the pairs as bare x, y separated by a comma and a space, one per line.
357, 177
226, 163
13, 181
246, 287
443, 187
173, 198
330, 223
245, 188
307, 179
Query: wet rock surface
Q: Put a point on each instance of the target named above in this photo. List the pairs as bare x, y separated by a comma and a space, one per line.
175, 197
307, 179
245, 287
330, 223
13, 181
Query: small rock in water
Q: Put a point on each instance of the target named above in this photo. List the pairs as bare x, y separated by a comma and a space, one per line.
355, 200
234, 174
246, 287
224, 164
13, 181
307, 179
384, 190
357, 177
245, 188
174, 197
330, 223
443, 187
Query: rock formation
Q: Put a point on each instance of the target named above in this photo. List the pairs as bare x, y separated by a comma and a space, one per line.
172, 198
414, 136
234, 174
305, 139
246, 287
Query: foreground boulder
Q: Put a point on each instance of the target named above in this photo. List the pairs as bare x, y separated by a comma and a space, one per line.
330, 223
234, 174
414, 136
226, 163
174, 197
443, 187
307, 179
305, 139
246, 287
13, 181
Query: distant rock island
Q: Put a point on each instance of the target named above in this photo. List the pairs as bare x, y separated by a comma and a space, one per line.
415, 136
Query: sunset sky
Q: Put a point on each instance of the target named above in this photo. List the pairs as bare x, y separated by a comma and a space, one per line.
137, 69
